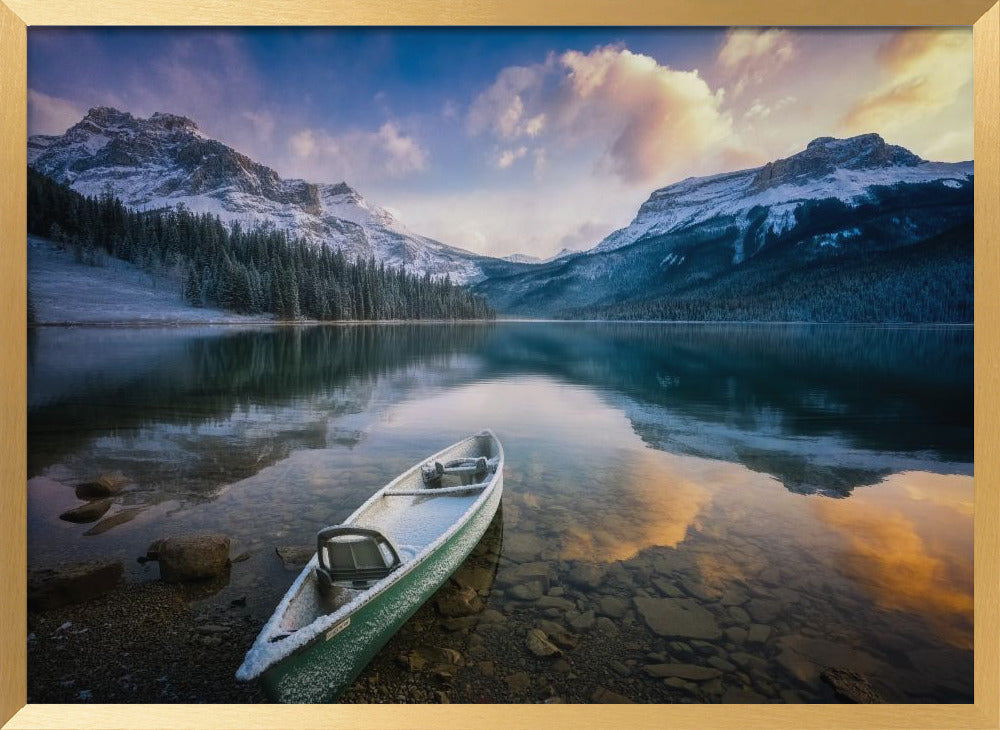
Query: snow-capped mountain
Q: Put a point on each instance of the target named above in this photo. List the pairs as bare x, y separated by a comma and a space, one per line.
523, 258
166, 161
827, 169
769, 243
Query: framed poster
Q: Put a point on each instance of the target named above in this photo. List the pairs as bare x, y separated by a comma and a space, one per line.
705, 276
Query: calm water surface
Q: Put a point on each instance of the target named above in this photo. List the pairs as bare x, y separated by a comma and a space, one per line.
802, 495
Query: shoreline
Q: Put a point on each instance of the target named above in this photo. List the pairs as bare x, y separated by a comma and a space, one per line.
397, 322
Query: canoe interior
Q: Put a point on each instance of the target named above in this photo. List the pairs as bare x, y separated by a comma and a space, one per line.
411, 523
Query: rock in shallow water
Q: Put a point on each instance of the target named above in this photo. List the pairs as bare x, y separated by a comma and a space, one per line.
89, 512
677, 617
191, 557
295, 556
71, 583
684, 671
454, 603
605, 696
587, 576
851, 687
613, 607
105, 485
539, 644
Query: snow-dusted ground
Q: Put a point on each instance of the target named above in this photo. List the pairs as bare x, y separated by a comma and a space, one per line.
65, 292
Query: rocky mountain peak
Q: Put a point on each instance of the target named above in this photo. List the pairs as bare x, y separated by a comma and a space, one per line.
171, 122
825, 155
165, 160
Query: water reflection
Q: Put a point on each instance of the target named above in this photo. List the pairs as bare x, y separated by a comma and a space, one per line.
909, 543
803, 494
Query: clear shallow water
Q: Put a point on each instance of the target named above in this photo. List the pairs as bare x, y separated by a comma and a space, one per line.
802, 494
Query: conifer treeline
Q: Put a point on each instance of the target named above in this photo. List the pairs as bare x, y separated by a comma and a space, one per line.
245, 270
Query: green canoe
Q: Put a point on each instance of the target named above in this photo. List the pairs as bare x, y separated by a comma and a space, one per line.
372, 572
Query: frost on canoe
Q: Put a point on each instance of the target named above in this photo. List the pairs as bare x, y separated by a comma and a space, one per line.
444, 528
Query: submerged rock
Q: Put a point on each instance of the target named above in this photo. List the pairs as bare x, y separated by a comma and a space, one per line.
459, 602
518, 682
539, 644
530, 591
191, 557
105, 485
758, 633
693, 672
433, 659
558, 634
851, 687
112, 521
89, 512
582, 622
605, 696
612, 606
677, 617
71, 583
587, 576
295, 556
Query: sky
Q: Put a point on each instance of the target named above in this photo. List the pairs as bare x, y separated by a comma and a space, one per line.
516, 140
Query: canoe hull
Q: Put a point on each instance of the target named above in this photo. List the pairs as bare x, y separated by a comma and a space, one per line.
322, 671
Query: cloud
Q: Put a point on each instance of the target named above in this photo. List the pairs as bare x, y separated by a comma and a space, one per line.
925, 70
749, 55
509, 157
383, 154
261, 122
646, 121
49, 114
908, 542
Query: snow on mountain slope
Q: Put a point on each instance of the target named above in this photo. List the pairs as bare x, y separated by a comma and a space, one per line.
523, 258
166, 161
842, 169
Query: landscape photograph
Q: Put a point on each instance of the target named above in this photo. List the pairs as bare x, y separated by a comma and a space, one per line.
500, 365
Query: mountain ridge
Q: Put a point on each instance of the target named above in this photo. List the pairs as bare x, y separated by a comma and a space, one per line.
703, 247
165, 160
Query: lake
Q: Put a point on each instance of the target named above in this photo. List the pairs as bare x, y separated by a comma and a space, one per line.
803, 492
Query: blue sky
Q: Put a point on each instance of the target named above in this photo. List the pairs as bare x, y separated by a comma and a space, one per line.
504, 140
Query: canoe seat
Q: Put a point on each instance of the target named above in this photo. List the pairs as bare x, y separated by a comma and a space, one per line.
470, 467
352, 555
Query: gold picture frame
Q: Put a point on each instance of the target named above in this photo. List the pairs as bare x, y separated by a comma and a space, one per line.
16, 15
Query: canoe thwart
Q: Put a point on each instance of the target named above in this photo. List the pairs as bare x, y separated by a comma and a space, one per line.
431, 492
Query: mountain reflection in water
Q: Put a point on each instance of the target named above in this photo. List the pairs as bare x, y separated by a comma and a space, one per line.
812, 481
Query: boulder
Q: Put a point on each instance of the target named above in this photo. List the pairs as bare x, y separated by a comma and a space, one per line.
71, 583
105, 485
191, 557
677, 617
89, 512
